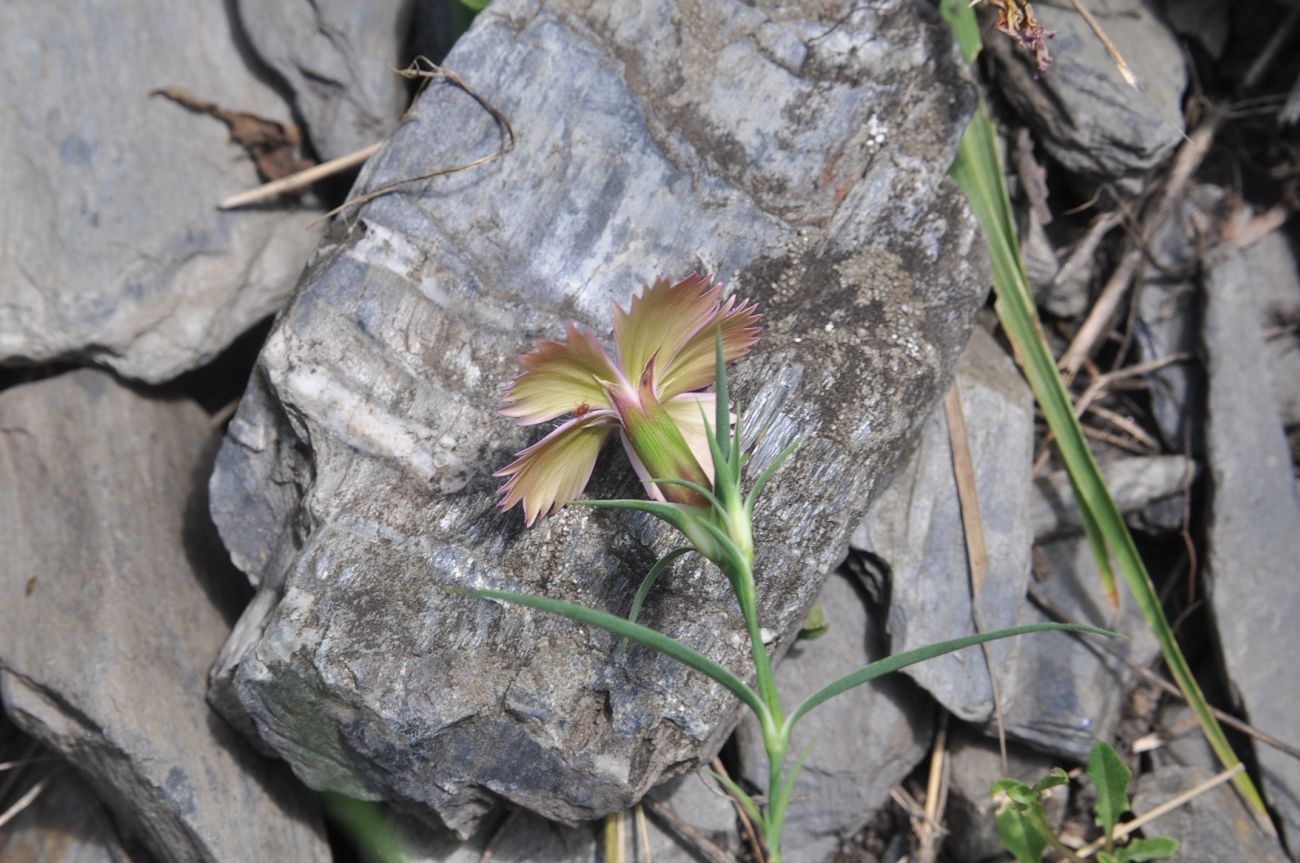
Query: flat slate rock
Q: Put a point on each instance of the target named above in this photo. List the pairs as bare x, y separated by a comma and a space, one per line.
1068, 690
1087, 117
863, 741
114, 250
1212, 827
916, 528
112, 612
799, 151
337, 57
1254, 529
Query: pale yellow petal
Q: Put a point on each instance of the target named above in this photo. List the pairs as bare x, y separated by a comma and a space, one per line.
556, 468
661, 320
560, 378
695, 365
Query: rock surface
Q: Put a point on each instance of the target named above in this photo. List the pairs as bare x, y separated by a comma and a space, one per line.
916, 527
338, 58
864, 741
354, 485
1254, 529
1086, 116
1271, 273
117, 254
1068, 692
101, 520
517, 837
1210, 828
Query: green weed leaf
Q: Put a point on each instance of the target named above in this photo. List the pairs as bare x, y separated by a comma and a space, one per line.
1110, 776
1020, 834
1151, 848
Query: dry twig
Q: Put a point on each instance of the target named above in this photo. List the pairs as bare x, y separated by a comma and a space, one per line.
423, 68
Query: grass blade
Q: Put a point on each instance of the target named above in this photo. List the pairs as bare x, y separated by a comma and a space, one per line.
910, 657
978, 170
633, 632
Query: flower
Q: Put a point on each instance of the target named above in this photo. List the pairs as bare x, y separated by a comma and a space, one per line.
665, 352
1016, 19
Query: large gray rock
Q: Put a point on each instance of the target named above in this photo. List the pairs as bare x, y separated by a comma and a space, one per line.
1068, 691
801, 150
916, 527
338, 57
1211, 827
1086, 116
1254, 528
863, 742
114, 609
114, 251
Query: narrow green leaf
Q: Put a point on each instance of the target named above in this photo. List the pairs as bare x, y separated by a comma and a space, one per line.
722, 425
1097, 544
1110, 776
745, 800
1016, 790
1107, 857
1020, 835
723, 481
635, 632
1151, 848
366, 823
911, 657
649, 581
978, 170
763, 477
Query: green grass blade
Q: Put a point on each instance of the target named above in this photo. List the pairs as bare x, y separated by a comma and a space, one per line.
910, 657
649, 581
763, 477
634, 632
722, 425
978, 170
745, 800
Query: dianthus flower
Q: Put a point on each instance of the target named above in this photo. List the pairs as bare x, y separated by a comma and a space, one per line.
664, 353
